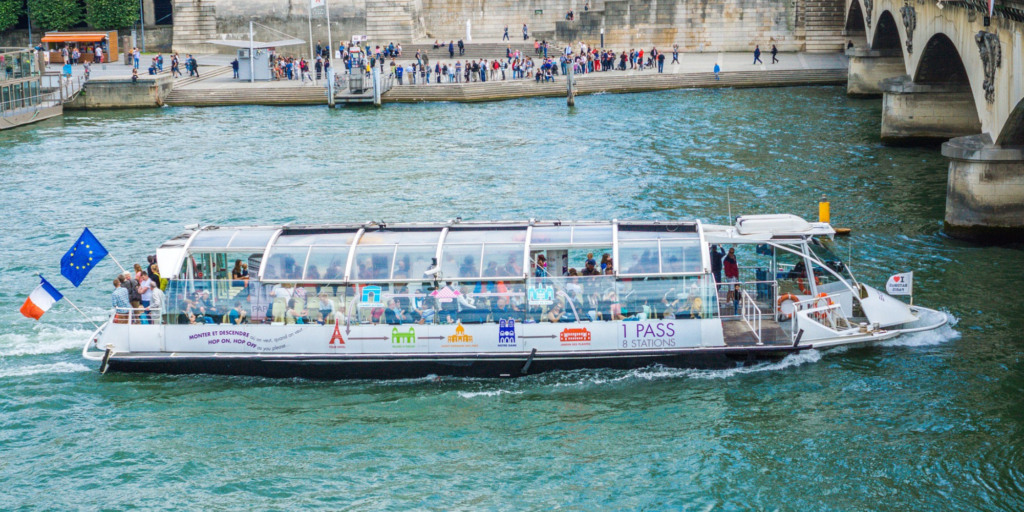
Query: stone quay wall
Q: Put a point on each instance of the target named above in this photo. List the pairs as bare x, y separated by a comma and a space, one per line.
695, 25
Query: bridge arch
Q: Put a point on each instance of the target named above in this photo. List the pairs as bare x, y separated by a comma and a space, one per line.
887, 33
1013, 130
855, 19
940, 63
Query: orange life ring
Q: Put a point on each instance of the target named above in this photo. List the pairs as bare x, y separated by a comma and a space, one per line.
802, 284
821, 315
792, 308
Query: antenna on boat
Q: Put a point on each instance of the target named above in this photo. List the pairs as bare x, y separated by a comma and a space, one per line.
728, 200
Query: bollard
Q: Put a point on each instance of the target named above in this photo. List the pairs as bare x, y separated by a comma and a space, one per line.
570, 93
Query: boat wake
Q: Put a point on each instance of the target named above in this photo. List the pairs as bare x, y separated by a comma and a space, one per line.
46, 339
496, 392
927, 338
25, 371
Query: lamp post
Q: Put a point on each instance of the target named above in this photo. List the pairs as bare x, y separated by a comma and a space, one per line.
142, 25
28, 17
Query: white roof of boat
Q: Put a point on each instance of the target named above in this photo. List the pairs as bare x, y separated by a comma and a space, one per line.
762, 228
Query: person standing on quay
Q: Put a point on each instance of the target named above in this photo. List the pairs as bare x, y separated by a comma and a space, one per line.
775, 51
451, 49
661, 63
675, 54
757, 54
718, 69
526, 33
505, 37
234, 67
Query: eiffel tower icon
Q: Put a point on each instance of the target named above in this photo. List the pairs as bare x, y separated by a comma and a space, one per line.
337, 335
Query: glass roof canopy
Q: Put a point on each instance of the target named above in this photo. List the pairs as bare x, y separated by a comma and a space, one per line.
465, 251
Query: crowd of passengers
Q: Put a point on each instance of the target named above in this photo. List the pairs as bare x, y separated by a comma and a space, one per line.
579, 297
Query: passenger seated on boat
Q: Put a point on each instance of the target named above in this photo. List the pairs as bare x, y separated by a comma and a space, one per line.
393, 315
237, 315
504, 309
294, 315
669, 307
554, 315
205, 307
614, 307
594, 306
695, 305
468, 311
325, 307
591, 269
426, 310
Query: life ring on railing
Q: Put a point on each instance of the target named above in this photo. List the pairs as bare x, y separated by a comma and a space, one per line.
822, 314
802, 284
786, 311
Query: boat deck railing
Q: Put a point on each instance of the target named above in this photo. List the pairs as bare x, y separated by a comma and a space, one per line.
136, 316
751, 315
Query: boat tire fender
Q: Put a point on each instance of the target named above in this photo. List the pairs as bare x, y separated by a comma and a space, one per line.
105, 363
529, 361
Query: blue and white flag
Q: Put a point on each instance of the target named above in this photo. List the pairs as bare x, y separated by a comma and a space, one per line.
82, 257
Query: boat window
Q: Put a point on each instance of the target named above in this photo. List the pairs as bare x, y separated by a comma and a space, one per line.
333, 239
639, 257
461, 261
423, 237
503, 260
490, 236
373, 262
592, 235
411, 261
252, 238
628, 234
285, 263
552, 235
672, 297
326, 263
212, 239
681, 256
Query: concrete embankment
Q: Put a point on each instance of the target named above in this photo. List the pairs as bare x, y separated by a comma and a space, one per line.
244, 94
596, 83
116, 92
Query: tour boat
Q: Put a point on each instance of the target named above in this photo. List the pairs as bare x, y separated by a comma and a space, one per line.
497, 299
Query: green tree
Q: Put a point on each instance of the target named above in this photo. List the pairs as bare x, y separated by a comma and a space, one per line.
55, 14
110, 14
9, 12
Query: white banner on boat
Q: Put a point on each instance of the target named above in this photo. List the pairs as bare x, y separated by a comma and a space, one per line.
900, 284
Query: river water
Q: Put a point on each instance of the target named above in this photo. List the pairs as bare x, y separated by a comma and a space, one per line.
927, 422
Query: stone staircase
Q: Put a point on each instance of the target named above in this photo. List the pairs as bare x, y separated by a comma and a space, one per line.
390, 20
824, 25
195, 23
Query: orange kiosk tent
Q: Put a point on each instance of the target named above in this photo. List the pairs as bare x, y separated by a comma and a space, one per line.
54, 41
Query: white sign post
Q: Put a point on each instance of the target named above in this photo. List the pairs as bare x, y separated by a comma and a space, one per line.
901, 284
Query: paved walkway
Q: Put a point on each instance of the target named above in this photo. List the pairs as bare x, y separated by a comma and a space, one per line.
216, 86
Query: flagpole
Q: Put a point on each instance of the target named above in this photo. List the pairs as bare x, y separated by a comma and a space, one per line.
310, 19
87, 319
327, 15
116, 262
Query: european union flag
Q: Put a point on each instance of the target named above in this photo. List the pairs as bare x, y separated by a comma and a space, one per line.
81, 258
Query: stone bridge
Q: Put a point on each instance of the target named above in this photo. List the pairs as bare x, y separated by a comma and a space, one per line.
947, 72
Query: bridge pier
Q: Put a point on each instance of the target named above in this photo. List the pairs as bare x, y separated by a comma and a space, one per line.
869, 67
985, 194
933, 112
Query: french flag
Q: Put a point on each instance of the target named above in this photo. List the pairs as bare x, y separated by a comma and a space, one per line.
40, 300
